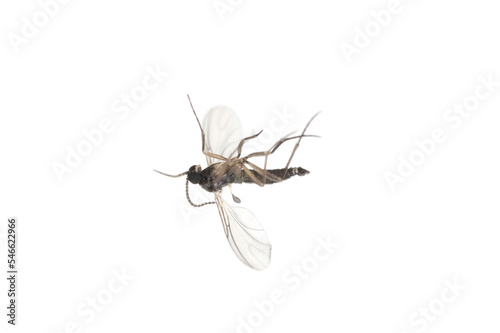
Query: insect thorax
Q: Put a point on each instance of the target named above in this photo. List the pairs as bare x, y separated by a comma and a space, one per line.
213, 179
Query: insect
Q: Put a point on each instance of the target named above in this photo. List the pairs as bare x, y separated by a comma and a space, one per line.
222, 145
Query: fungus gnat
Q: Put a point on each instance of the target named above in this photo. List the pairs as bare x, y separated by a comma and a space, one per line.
222, 145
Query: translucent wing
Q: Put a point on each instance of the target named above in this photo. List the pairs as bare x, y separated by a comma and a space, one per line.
222, 132
245, 235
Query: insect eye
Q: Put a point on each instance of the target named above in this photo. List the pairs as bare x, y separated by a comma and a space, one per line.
194, 177
194, 174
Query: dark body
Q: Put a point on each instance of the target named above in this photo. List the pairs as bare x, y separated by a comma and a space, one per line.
212, 180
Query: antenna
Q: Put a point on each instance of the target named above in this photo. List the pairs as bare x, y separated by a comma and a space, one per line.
181, 174
192, 204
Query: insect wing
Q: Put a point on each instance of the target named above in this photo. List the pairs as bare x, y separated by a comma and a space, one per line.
245, 235
222, 132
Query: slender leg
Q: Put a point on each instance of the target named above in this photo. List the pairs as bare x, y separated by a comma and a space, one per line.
276, 146
297, 145
251, 175
210, 154
266, 153
263, 172
240, 146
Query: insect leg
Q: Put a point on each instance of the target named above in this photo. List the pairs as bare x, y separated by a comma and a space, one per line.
277, 145
240, 146
266, 153
210, 154
264, 173
297, 144
251, 175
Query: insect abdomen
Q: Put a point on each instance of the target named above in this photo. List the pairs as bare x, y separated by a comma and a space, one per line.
244, 178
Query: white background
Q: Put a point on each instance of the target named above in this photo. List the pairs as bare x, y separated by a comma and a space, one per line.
112, 212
